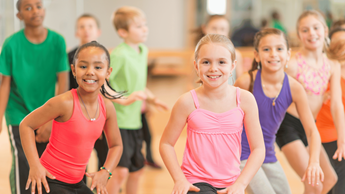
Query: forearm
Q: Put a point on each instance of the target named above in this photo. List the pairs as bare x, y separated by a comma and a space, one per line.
63, 83
5, 88
337, 111
123, 101
253, 164
113, 158
29, 144
314, 146
170, 160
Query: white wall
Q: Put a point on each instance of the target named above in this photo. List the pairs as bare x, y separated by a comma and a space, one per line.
166, 20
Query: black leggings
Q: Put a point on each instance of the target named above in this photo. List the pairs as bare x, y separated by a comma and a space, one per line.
205, 188
339, 168
58, 187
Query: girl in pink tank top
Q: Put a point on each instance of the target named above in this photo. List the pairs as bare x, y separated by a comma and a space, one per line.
79, 116
215, 116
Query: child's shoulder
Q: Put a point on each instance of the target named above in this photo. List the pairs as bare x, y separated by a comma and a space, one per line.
62, 101
55, 36
247, 99
14, 38
185, 102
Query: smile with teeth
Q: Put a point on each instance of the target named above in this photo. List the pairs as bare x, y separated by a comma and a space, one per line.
89, 81
273, 61
214, 76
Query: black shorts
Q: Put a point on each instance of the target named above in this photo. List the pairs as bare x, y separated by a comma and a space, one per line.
205, 188
132, 157
58, 187
290, 130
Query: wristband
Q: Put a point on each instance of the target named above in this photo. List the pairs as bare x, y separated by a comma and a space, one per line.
104, 168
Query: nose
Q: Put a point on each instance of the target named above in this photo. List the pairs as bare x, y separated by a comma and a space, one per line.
273, 52
90, 72
213, 67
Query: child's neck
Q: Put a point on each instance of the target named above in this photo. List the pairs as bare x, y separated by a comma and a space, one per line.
315, 55
135, 46
272, 78
215, 93
88, 98
36, 35
343, 71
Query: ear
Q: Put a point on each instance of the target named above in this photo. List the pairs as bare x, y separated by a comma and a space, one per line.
203, 29
256, 56
99, 32
19, 16
196, 67
233, 66
326, 32
109, 72
73, 70
122, 33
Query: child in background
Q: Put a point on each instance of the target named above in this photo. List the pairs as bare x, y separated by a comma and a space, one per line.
324, 119
87, 30
79, 117
218, 24
274, 92
311, 67
129, 63
215, 114
32, 61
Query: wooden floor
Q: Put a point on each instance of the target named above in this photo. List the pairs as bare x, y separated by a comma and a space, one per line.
153, 181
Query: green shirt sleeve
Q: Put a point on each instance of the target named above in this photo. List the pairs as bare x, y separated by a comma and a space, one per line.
6, 60
62, 58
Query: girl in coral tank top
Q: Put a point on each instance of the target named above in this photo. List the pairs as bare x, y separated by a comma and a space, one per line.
79, 117
215, 114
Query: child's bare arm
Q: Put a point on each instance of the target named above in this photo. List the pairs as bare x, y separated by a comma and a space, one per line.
337, 109
255, 139
314, 172
50, 110
113, 136
172, 131
62, 82
5, 88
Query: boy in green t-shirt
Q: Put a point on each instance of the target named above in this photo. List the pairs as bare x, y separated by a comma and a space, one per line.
32, 61
129, 63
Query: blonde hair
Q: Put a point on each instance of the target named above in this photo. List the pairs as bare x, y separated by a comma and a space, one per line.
321, 19
215, 39
125, 15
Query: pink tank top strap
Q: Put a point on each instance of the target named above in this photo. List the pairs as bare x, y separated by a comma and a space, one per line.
195, 99
238, 91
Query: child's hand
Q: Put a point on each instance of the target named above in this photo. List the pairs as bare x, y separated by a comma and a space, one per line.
138, 95
160, 105
233, 189
314, 174
182, 187
99, 181
37, 176
340, 152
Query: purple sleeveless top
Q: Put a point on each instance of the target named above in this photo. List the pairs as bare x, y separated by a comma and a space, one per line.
270, 116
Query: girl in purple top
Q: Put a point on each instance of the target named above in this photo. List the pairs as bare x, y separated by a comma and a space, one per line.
274, 91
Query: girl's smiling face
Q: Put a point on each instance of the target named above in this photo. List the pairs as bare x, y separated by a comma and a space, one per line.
311, 32
272, 52
91, 68
214, 64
